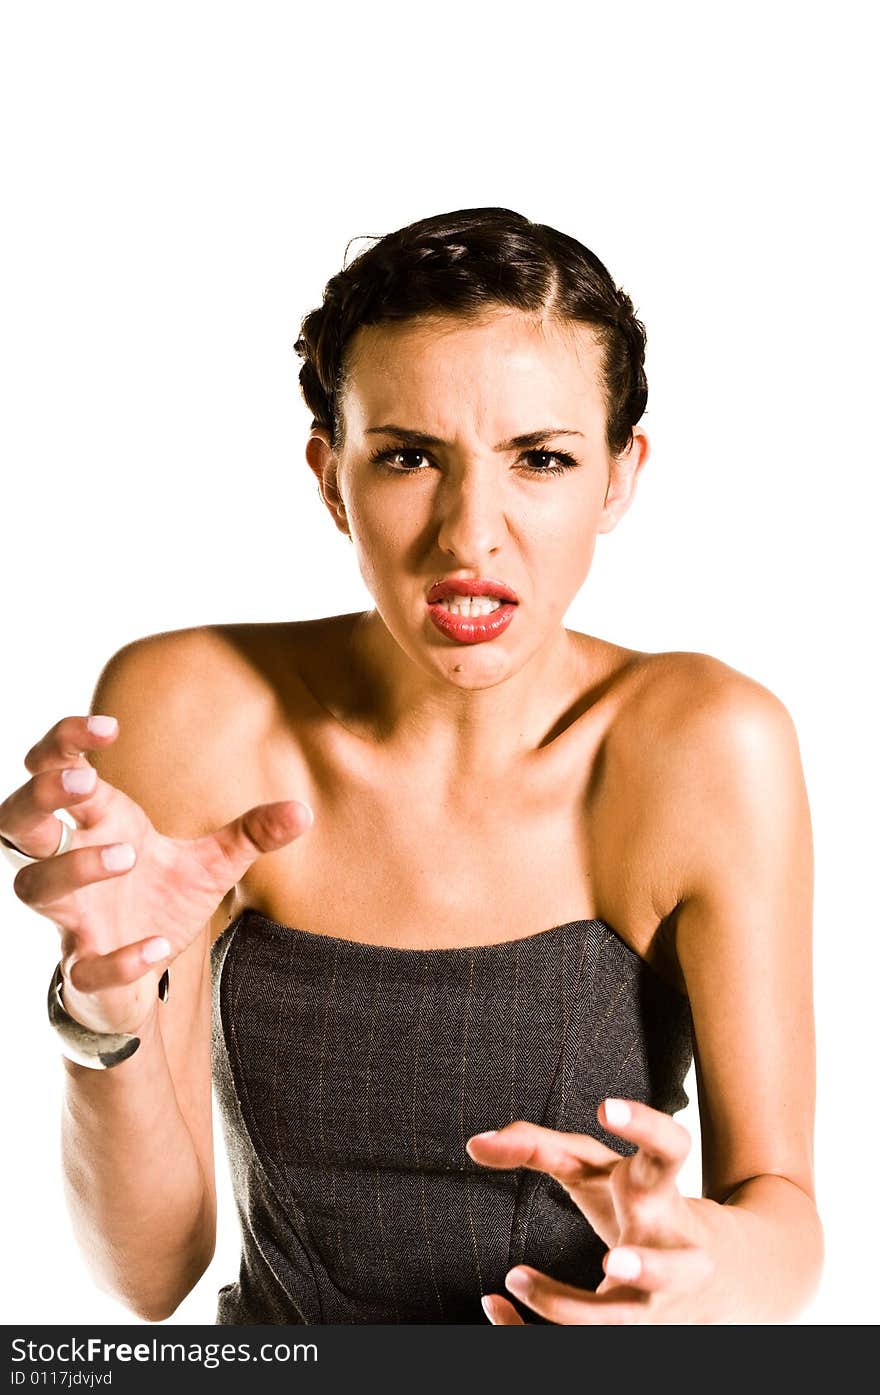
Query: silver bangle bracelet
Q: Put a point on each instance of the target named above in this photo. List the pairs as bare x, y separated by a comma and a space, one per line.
97, 1050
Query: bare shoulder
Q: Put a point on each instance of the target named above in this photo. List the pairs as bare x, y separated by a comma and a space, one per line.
724, 731
187, 702
696, 696
705, 752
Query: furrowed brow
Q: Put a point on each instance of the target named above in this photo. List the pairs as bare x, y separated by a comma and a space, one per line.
420, 438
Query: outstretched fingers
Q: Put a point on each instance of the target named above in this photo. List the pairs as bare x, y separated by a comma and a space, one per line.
44, 883
228, 852
524, 1144
565, 1304
119, 968
61, 778
639, 1272
581, 1164
663, 1145
652, 1270
500, 1311
68, 740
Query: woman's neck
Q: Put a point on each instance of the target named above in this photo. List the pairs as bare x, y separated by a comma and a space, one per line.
463, 720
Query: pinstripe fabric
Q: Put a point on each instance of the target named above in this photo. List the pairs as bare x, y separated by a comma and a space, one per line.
350, 1076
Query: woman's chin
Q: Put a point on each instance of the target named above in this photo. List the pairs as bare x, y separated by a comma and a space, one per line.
473, 666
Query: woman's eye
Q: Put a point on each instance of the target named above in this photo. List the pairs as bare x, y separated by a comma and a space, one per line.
566, 462
392, 455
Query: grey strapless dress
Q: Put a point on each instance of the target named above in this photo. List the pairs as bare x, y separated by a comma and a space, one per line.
350, 1076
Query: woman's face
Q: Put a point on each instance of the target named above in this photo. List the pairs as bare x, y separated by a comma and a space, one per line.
472, 503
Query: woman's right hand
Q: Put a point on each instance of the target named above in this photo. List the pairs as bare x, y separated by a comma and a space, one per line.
122, 924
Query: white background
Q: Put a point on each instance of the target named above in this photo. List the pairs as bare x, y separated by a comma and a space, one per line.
182, 179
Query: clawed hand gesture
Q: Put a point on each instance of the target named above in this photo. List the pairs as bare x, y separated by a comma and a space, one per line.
126, 899
656, 1268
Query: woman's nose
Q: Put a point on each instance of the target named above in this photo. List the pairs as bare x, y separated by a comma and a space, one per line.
471, 517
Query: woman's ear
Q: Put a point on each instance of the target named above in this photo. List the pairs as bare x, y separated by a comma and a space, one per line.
324, 464
622, 480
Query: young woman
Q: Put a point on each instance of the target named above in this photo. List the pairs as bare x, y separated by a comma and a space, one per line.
461, 890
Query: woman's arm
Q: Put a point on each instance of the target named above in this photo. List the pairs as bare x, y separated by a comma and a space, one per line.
743, 937
137, 1144
137, 1139
137, 1154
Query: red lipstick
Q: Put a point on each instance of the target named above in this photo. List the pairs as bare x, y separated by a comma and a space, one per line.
471, 629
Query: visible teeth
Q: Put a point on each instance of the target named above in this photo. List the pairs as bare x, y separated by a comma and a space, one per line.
471, 605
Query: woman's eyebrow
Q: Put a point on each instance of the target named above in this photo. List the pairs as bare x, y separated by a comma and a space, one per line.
420, 438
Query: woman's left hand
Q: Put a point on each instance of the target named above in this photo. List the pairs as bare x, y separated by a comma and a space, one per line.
657, 1269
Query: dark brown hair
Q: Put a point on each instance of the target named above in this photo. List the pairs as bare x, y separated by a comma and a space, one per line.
463, 263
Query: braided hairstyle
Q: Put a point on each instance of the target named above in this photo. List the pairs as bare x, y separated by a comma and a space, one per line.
463, 263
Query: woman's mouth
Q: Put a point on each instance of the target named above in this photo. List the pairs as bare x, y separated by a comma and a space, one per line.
471, 619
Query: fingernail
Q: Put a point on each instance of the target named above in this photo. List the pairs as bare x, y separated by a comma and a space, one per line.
118, 857
155, 950
102, 726
623, 1264
487, 1133
618, 1113
518, 1281
486, 1305
80, 780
